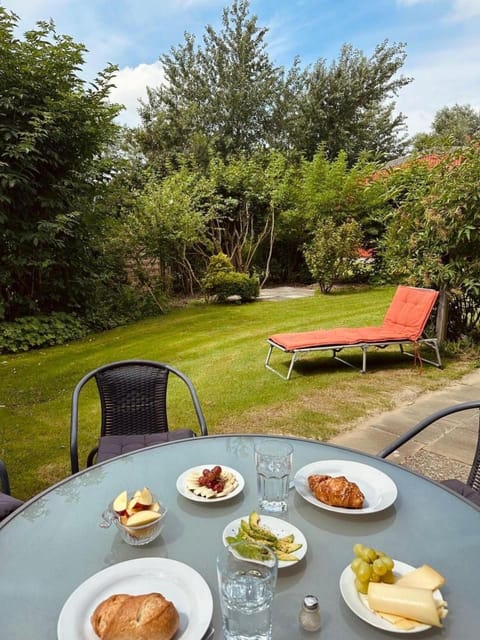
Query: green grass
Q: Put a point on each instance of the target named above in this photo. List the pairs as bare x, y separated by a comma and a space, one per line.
222, 348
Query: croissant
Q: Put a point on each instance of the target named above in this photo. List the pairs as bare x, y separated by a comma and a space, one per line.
143, 617
336, 491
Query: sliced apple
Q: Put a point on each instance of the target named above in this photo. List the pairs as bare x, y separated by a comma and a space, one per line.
142, 518
120, 503
133, 506
145, 499
155, 507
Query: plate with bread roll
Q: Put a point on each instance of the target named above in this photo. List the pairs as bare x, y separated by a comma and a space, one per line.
345, 486
409, 603
145, 598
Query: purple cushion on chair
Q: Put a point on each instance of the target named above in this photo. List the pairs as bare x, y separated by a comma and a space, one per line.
113, 446
464, 490
8, 504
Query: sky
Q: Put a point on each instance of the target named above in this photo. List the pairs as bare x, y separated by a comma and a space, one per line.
442, 40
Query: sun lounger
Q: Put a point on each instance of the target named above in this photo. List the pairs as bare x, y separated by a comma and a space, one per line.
404, 324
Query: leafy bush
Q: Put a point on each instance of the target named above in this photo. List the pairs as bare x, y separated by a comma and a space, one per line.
432, 234
39, 331
112, 305
222, 281
332, 254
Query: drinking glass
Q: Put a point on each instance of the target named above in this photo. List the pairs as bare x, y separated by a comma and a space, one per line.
273, 461
247, 587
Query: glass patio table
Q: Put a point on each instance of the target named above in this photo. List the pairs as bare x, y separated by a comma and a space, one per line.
54, 542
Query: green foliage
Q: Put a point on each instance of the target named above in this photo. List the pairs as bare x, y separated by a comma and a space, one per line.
348, 106
53, 129
227, 97
32, 332
334, 189
433, 237
451, 126
332, 254
225, 94
168, 228
221, 281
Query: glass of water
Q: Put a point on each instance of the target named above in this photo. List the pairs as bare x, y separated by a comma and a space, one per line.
247, 587
273, 461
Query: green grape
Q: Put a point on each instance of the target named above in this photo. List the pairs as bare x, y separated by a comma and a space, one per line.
360, 586
379, 567
364, 571
356, 562
358, 549
388, 577
368, 554
375, 577
388, 562
380, 553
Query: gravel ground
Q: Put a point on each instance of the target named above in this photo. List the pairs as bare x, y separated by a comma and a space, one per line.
436, 467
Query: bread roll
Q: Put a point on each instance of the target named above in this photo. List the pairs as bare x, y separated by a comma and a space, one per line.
144, 617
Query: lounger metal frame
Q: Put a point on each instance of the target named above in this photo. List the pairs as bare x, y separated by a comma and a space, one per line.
364, 346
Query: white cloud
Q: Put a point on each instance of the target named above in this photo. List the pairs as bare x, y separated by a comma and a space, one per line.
442, 78
463, 10
460, 11
131, 85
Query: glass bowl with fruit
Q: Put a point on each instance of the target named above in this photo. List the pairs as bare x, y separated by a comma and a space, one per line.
138, 516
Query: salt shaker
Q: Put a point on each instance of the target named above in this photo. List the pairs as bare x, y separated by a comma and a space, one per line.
310, 614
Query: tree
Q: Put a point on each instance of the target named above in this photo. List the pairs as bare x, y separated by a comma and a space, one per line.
348, 106
226, 94
52, 132
433, 237
451, 126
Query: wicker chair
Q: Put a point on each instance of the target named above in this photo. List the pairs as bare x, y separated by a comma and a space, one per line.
133, 398
470, 489
8, 504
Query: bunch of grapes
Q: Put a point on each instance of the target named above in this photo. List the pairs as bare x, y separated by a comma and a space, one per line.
370, 565
212, 478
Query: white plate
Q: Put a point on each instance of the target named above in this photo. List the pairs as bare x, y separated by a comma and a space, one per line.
278, 527
186, 493
358, 602
178, 582
379, 490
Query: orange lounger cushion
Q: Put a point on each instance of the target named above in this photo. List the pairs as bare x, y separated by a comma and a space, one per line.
405, 320
335, 337
404, 323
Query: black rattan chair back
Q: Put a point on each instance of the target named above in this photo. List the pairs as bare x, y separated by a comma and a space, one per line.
133, 398
473, 480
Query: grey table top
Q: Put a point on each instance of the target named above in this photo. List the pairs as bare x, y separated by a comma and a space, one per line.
55, 543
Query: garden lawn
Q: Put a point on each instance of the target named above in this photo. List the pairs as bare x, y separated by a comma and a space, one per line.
222, 348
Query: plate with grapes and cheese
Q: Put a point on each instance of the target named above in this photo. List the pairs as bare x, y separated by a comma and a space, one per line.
210, 483
397, 582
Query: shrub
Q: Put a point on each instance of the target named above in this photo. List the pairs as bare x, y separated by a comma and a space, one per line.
332, 254
39, 331
222, 281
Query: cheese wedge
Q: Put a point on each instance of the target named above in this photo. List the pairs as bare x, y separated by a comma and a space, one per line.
409, 602
401, 623
424, 578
